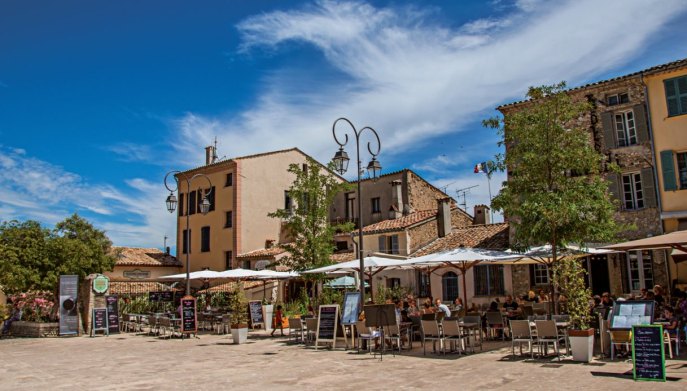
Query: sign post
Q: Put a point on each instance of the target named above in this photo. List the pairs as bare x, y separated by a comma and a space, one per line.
100, 322
256, 317
648, 356
69, 313
189, 318
327, 322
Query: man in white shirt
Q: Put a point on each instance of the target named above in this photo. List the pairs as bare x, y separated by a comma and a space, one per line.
442, 307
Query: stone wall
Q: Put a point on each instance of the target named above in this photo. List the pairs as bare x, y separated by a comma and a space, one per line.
421, 235
521, 279
460, 219
421, 194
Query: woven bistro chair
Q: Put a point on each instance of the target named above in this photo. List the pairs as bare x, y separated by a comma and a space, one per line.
547, 333
453, 334
521, 332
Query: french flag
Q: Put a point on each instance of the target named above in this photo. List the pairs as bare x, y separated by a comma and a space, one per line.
481, 167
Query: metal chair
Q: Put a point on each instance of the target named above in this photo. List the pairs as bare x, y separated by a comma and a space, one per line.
473, 334
363, 334
521, 332
430, 331
453, 334
296, 329
495, 322
547, 333
310, 330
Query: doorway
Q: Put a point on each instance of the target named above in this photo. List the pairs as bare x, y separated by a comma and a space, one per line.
597, 267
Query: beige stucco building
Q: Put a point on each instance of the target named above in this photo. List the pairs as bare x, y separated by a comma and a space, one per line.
667, 99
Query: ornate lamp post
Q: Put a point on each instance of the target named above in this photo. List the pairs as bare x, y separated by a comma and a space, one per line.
204, 208
340, 161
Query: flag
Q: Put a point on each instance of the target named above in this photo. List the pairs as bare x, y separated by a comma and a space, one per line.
481, 167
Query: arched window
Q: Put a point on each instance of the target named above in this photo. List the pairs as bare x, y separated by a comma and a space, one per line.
449, 283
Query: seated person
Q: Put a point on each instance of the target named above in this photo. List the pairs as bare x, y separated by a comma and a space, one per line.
510, 306
443, 308
606, 300
493, 307
458, 304
671, 319
543, 297
427, 309
532, 297
658, 295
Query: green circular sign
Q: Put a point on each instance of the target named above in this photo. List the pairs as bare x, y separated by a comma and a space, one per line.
101, 284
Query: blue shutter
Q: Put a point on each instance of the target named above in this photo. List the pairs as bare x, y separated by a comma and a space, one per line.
668, 170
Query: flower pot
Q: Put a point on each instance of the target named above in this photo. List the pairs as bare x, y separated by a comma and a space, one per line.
34, 329
239, 334
267, 313
582, 344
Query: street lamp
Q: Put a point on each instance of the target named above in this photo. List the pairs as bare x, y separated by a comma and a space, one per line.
374, 168
204, 208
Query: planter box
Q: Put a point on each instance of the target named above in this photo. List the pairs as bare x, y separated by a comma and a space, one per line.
582, 344
239, 335
34, 329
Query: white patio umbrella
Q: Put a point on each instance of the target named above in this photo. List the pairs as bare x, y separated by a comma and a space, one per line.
268, 274
241, 274
198, 275
461, 258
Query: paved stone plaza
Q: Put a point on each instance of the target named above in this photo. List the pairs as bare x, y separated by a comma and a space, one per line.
212, 362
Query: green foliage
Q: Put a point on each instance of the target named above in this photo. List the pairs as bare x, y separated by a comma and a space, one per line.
555, 192
330, 296
298, 306
33, 258
568, 275
4, 311
238, 305
35, 306
138, 304
398, 293
308, 225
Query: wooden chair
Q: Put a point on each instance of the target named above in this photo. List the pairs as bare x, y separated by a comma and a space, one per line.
621, 338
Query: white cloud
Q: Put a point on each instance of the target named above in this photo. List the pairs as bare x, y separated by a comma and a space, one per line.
476, 195
34, 189
411, 79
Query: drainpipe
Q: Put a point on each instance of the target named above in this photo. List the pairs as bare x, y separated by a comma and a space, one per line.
655, 170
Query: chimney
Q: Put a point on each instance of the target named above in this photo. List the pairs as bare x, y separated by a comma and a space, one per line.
167, 250
481, 215
269, 243
210, 155
443, 216
396, 209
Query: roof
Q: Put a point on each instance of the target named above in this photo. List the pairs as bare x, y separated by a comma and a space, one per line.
137, 287
402, 171
256, 155
263, 253
343, 257
643, 72
134, 256
487, 236
401, 222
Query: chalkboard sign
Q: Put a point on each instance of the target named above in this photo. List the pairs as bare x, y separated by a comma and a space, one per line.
166, 296
112, 304
189, 320
327, 322
351, 308
255, 310
626, 314
648, 357
154, 297
99, 321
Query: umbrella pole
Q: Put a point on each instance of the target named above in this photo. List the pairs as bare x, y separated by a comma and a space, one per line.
465, 292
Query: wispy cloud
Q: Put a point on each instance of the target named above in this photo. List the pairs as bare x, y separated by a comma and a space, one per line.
35, 189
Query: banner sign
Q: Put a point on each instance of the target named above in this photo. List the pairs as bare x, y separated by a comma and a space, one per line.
112, 304
69, 312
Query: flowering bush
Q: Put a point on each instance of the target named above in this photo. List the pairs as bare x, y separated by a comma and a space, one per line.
36, 306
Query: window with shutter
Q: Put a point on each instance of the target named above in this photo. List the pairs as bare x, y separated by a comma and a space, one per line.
205, 239
228, 223
186, 241
648, 187
676, 95
609, 128
668, 171
228, 255
229, 180
181, 204
625, 128
682, 169
394, 244
381, 240
192, 203
633, 193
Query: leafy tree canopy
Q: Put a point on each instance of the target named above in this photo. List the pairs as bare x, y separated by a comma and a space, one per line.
33, 257
307, 222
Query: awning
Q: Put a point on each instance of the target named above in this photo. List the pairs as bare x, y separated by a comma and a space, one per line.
676, 240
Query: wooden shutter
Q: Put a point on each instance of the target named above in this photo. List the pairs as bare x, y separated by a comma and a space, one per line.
382, 243
211, 197
192, 203
640, 123
668, 170
649, 190
394, 244
613, 187
181, 204
608, 125
672, 97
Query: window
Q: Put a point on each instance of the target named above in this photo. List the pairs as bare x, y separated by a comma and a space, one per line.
181, 204
392, 283
211, 197
388, 244
288, 202
350, 209
449, 287
245, 264
205, 239
230, 180
192, 203
540, 274
676, 95
423, 284
227, 259
376, 208
185, 240
633, 196
625, 128
489, 280
228, 223
682, 169
640, 273
341, 245
616, 99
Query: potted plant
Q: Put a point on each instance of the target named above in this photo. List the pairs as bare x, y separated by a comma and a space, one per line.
569, 275
238, 305
267, 313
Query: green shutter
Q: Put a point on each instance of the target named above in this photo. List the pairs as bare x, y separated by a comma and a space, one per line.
640, 123
668, 170
676, 95
609, 130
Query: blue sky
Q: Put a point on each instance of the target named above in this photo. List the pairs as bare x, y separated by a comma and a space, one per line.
98, 100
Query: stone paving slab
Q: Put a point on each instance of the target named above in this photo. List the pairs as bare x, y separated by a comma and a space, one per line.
212, 362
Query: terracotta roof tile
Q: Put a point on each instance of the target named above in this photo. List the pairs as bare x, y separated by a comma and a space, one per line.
131, 287
263, 252
134, 256
401, 222
490, 236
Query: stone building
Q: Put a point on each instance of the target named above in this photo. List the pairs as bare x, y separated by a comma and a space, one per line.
619, 127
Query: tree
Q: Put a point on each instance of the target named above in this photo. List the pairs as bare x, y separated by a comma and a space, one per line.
555, 193
307, 222
33, 257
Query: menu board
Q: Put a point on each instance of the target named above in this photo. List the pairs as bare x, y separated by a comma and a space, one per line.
69, 315
351, 308
99, 321
189, 321
165, 296
327, 322
255, 310
632, 313
648, 357
112, 304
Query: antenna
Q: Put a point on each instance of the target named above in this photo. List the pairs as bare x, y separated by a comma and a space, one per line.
214, 151
165, 245
462, 192
445, 188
